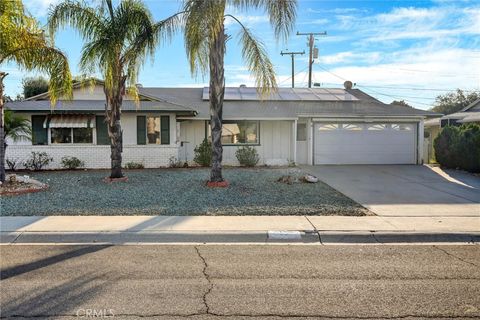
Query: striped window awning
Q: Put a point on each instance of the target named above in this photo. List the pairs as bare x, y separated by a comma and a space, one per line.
69, 121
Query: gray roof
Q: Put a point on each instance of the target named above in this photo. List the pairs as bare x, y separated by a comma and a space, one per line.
96, 106
470, 113
188, 101
364, 106
284, 94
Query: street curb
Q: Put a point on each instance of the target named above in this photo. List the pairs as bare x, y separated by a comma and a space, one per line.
266, 237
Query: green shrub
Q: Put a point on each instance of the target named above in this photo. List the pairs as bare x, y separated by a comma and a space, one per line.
459, 147
203, 154
72, 163
37, 161
469, 148
247, 156
445, 147
134, 165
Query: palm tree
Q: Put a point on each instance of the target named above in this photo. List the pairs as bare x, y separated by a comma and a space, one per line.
16, 128
23, 42
205, 41
117, 43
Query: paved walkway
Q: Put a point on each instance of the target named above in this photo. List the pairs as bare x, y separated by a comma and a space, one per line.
240, 229
406, 190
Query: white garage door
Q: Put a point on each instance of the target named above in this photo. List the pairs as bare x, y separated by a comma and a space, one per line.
364, 143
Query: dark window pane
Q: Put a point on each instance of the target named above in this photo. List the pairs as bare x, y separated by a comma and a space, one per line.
61, 135
39, 133
165, 129
82, 135
141, 130
102, 131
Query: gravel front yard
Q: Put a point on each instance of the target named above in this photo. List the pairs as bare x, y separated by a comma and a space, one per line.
179, 192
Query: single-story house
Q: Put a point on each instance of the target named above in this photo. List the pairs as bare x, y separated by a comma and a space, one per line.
469, 114
300, 125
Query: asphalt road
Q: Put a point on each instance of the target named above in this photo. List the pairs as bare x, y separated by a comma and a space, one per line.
241, 282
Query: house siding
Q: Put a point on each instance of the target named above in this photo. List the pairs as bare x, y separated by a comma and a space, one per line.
275, 146
98, 156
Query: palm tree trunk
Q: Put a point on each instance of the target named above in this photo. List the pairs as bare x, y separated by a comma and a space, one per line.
2, 131
112, 115
217, 91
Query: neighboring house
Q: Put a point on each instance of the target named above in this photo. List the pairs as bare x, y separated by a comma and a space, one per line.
469, 114
305, 126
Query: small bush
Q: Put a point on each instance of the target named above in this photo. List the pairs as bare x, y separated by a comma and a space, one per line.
12, 164
247, 156
173, 162
134, 165
72, 163
203, 154
37, 161
459, 147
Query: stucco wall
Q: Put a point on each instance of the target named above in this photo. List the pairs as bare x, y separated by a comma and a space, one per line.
275, 142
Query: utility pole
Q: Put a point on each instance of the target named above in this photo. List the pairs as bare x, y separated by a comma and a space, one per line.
292, 54
311, 43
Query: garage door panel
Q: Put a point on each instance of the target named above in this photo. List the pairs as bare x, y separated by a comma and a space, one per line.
384, 144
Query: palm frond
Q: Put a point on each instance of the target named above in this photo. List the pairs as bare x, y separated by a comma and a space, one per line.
76, 15
23, 42
282, 13
203, 22
256, 58
16, 127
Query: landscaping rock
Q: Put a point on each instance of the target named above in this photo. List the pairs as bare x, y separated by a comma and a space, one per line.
252, 191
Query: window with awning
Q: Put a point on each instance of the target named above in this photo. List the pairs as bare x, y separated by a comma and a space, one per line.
70, 128
69, 121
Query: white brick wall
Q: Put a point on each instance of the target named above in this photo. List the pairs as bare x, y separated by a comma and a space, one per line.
97, 157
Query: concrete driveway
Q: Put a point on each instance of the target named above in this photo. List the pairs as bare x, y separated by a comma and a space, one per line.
405, 190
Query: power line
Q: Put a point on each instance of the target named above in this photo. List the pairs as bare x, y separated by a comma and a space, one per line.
296, 74
396, 97
383, 94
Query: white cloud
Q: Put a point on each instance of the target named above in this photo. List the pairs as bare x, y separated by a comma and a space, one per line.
420, 68
247, 20
350, 57
39, 8
413, 23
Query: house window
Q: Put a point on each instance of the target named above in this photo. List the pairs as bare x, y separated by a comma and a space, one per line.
82, 135
301, 132
352, 127
64, 135
402, 127
61, 135
377, 127
157, 129
153, 130
239, 132
328, 126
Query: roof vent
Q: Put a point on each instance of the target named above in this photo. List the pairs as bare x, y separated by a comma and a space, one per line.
348, 85
243, 86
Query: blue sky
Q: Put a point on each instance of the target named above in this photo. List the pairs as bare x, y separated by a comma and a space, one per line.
393, 50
